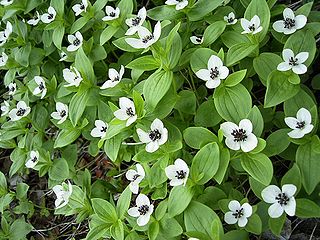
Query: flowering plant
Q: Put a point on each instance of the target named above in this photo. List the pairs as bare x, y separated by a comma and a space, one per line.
190, 119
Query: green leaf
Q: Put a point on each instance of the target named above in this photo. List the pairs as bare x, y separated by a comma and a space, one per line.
145, 63
97, 232
175, 205
199, 59
293, 176
186, 102
66, 137
279, 89
57, 36
258, 166
276, 224
205, 163
236, 235
257, 120
104, 210
126, 7
59, 170
235, 78
84, 66
307, 158
207, 115
197, 137
277, 142
78, 24
153, 230
232, 38
213, 32
233, 103
18, 158
169, 228
19, 229
117, 231
164, 12
77, 106
156, 86
3, 184
238, 52
254, 224
201, 8
112, 147
223, 165
107, 34
307, 208
22, 54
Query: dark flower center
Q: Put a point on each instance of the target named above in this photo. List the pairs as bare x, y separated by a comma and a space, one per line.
300, 125
238, 213
136, 21
21, 112
180, 174
289, 23
293, 61
147, 38
230, 20
155, 135
112, 14
76, 42
12, 89
143, 209
239, 135
135, 177
63, 113
34, 159
130, 112
252, 27
214, 72
116, 79
41, 86
82, 6
50, 16
282, 199
198, 39
103, 129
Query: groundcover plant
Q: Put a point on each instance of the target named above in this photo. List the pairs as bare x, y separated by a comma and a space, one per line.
190, 119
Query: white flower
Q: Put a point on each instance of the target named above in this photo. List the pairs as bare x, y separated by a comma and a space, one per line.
33, 160
252, 26
6, 2
3, 59
20, 111
142, 211
63, 56
178, 173
157, 136
293, 62
4, 35
239, 136
100, 130
127, 111
63, 193
135, 177
5, 108
79, 8
75, 41
62, 112
180, 4
72, 76
196, 40
230, 19
35, 20
281, 200
215, 72
146, 38
49, 16
300, 125
238, 213
41, 86
114, 78
111, 13
290, 23
135, 23
12, 88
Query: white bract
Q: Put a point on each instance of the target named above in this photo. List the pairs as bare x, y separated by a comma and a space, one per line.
252, 26
81, 7
20, 111
215, 72
33, 159
135, 177
239, 136
62, 112
41, 87
238, 214
63, 193
75, 41
35, 20
177, 173
63, 56
3, 59
295, 63
196, 40
5, 108
127, 111
146, 38
230, 19
6, 2
100, 129
49, 16
281, 200
180, 4
290, 22
114, 78
111, 13
157, 136
301, 125
12, 88
4, 35
135, 23
72, 76
142, 211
